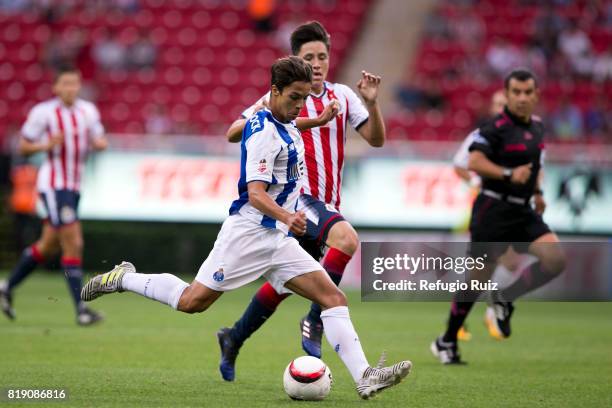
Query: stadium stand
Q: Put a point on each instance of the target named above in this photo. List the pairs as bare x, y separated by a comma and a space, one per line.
201, 60
467, 46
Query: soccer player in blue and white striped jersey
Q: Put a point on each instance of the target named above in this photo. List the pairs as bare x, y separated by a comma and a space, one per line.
256, 239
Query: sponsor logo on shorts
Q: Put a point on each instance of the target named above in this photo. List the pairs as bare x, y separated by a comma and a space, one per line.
67, 215
218, 276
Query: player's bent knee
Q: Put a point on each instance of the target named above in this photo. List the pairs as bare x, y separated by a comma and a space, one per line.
188, 303
192, 306
335, 299
554, 265
344, 238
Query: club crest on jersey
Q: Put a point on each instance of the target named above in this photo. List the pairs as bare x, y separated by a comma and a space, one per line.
218, 276
528, 135
263, 166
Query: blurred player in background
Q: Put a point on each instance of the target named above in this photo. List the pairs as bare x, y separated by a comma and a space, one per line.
64, 128
323, 121
508, 261
507, 153
460, 160
254, 240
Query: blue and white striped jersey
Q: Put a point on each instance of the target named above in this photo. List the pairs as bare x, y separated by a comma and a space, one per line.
272, 152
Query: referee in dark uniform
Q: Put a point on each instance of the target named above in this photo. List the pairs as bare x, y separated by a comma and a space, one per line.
507, 154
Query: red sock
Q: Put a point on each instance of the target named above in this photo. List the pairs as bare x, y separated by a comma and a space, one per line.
36, 255
267, 296
335, 262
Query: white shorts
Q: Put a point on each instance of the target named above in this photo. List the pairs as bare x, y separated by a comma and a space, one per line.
245, 250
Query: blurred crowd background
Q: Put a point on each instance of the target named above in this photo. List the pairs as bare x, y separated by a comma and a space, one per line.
162, 69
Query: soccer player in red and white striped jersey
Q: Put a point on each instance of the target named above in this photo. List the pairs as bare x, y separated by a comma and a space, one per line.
324, 121
65, 129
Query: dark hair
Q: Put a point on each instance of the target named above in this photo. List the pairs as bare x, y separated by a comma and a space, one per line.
520, 74
291, 69
311, 31
65, 69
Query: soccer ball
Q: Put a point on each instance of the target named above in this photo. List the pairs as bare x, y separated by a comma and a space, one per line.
307, 378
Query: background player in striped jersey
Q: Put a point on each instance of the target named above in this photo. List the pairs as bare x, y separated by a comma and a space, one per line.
65, 128
323, 122
460, 165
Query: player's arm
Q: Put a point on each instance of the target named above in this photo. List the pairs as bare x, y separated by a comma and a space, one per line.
234, 133
462, 173
484, 143
484, 167
261, 200
28, 147
330, 112
97, 139
538, 193
99, 143
460, 162
373, 130
32, 138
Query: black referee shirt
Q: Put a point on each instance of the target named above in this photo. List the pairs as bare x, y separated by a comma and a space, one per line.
509, 142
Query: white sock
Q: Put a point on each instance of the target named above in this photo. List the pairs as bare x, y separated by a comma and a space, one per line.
342, 337
164, 288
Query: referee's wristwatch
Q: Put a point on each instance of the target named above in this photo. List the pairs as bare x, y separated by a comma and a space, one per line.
507, 174
538, 191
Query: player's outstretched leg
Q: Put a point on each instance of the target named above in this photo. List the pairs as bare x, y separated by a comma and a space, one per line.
164, 288
341, 335
106, 283
262, 306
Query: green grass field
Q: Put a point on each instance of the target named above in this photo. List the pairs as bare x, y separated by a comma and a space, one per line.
147, 355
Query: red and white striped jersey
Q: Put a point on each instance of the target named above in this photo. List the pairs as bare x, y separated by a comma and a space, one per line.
63, 167
324, 146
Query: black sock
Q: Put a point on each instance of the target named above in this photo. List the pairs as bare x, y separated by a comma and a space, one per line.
459, 312
532, 277
74, 277
252, 319
28, 261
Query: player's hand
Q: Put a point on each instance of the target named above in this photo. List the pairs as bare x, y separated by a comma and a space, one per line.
56, 139
521, 174
368, 87
297, 223
540, 203
330, 112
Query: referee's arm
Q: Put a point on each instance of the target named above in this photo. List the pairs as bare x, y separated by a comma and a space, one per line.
484, 167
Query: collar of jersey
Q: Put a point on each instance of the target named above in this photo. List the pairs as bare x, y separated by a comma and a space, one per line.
63, 105
515, 118
322, 93
276, 120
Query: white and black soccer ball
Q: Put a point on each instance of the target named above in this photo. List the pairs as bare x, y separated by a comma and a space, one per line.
307, 378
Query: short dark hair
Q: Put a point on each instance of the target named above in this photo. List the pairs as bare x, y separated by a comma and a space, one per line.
310, 31
520, 74
65, 69
291, 69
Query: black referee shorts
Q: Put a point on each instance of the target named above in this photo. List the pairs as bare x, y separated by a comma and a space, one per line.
497, 221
